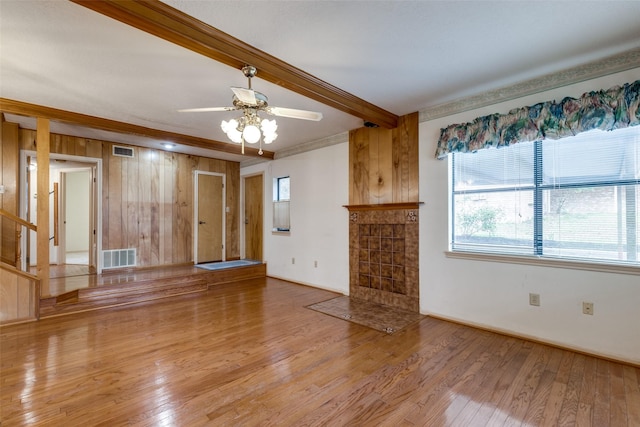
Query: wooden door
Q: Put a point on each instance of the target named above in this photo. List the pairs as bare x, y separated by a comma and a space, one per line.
209, 221
253, 213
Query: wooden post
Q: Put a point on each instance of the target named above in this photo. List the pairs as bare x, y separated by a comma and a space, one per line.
42, 215
18, 249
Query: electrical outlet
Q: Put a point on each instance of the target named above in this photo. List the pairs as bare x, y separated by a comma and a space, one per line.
293, 260
534, 299
587, 308
315, 264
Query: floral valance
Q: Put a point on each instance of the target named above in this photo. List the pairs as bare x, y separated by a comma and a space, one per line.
618, 107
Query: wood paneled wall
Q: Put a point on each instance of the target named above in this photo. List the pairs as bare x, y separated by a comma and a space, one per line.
384, 163
147, 200
18, 294
8, 199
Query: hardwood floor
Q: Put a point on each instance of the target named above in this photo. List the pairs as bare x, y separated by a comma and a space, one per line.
250, 353
64, 270
62, 280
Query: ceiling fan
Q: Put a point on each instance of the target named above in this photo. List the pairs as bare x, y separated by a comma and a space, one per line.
248, 127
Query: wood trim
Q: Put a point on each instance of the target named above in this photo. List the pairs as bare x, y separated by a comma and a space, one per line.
18, 220
384, 206
37, 292
33, 110
19, 272
177, 27
18, 321
56, 215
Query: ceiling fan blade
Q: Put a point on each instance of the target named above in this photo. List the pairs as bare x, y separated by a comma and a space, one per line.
202, 110
246, 96
294, 114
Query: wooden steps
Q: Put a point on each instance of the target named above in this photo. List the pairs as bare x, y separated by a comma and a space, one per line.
135, 291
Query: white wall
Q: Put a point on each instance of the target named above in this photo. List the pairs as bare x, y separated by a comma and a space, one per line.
495, 295
319, 222
487, 294
77, 211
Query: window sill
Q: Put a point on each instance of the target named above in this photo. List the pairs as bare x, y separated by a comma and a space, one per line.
280, 233
545, 262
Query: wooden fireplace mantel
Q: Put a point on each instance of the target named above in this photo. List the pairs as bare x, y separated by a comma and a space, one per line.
384, 206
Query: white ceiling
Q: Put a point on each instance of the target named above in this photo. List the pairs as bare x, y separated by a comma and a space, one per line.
403, 56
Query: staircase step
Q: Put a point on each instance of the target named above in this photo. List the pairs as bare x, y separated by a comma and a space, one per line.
134, 291
47, 302
139, 287
116, 298
67, 298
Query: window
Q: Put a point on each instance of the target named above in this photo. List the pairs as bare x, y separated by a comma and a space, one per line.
573, 198
281, 197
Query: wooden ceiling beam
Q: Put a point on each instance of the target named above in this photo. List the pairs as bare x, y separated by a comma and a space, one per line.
170, 24
20, 108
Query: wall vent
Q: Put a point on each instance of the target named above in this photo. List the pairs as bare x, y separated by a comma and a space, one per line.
116, 258
123, 151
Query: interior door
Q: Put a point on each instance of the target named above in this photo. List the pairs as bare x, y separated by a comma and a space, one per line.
210, 218
253, 217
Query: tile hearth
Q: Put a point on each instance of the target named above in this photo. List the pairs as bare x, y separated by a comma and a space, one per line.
372, 315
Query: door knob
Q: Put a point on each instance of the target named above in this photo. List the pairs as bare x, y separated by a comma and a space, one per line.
201, 222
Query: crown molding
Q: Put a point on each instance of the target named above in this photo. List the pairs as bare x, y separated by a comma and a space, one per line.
312, 145
301, 148
613, 64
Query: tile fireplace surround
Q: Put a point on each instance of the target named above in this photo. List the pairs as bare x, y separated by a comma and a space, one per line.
383, 254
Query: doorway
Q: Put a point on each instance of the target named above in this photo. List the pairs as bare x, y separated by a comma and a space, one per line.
74, 217
253, 217
209, 221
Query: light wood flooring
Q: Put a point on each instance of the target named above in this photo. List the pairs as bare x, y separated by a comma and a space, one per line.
251, 354
64, 270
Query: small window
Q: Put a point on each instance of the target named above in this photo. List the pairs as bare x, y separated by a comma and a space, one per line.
281, 198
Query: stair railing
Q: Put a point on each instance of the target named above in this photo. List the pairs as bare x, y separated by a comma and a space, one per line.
15, 310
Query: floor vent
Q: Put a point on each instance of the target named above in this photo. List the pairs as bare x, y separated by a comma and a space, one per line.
123, 151
116, 258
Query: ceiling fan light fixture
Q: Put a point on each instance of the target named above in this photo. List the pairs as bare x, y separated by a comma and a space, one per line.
249, 127
268, 126
228, 125
268, 139
235, 136
251, 133
231, 129
269, 130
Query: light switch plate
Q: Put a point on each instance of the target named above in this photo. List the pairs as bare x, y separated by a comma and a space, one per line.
534, 299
